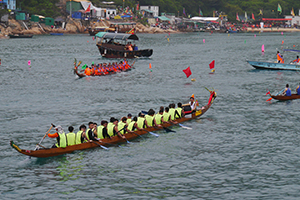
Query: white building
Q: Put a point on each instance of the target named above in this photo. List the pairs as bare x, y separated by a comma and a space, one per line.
154, 9
295, 20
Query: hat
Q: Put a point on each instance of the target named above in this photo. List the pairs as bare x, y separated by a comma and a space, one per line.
129, 115
58, 127
193, 96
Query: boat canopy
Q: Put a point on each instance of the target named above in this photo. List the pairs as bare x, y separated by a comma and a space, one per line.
117, 36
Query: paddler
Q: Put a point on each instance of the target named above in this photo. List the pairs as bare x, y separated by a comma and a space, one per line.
141, 122
90, 132
122, 125
87, 71
150, 119
132, 126
80, 135
112, 128
279, 58
159, 116
179, 113
297, 60
60, 137
71, 136
298, 90
172, 111
128, 118
102, 130
287, 91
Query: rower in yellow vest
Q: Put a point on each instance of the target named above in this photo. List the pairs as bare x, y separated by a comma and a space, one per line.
102, 130
179, 113
128, 119
112, 128
166, 115
172, 111
158, 117
122, 125
71, 137
141, 122
60, 137
133, 125
80, 135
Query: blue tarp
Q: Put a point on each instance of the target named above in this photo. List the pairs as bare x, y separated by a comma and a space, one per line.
125, 16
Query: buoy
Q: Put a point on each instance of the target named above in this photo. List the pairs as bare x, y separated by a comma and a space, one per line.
203, 40
193, 79
254, 35
281, 33
168, 40
228, 34
282, 42
213, 70
263, 48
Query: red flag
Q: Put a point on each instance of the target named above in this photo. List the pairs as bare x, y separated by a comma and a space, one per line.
268, 92
253, 16
187, 72
212, 65
88, 9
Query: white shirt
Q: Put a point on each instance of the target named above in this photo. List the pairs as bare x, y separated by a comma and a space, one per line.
193, 105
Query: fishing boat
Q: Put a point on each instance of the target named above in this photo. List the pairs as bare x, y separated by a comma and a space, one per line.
13, 36
114, 45
129, 28
80, 75
273, 65
94, 31
43, 152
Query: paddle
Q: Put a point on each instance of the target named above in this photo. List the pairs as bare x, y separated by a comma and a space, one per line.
137, 134
103, 147
113, 144
52, 125
184, 126
154, 134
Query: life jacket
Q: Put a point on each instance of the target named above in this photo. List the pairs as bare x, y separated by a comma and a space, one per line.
71, 138
78, 137
298, 91
100, 131
288, 92
110, 129
172, 113
149, 120
128, 121
87, 133
166, 116
87, 71
179, 111
279, 58
158, 118
141, 122
121, 128
131, 126
61, 140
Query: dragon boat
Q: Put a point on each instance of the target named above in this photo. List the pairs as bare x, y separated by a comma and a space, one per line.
43, 152
285, 98
80, 75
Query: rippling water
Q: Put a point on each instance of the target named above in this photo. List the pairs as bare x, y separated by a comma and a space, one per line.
242, 148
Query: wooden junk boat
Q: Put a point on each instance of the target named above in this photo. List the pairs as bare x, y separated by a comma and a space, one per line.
113, 45
49, 152
114, 27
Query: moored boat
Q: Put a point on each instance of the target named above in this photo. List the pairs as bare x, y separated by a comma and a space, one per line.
273, 65
20, 36
114, 45
43, 152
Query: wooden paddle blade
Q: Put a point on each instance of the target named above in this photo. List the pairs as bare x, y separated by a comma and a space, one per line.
270, 99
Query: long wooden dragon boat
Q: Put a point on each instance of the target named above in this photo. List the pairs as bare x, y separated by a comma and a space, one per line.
49, 152
285, 98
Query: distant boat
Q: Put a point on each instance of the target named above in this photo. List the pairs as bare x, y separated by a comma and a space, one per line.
56, 34
19, 36
273, 65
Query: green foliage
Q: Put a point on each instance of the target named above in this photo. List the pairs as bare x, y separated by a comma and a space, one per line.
46, 8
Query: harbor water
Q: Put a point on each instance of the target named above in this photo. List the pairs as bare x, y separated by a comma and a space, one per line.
242, 148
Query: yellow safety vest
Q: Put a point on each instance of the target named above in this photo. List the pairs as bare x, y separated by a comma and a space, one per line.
121, 128
131, 126
141, 122
71, 137
128, 121
78, 137
62, 140
172, 113
166, 116
149, 120
110, 129
179, 110
158, 118
100, 131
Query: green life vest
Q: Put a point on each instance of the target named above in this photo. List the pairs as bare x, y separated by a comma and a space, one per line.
110, 129
78, 137
131, 126
128, 121
172, 113
149, 120
158, 118
141, 122
121, 128
100, 131
166, 116
62, 140
71, 137
179, 111
87, 133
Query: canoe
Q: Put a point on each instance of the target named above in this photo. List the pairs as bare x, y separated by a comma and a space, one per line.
273, 65
50, 152
286, 98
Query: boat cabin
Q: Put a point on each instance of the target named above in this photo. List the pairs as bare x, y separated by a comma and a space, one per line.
124, 27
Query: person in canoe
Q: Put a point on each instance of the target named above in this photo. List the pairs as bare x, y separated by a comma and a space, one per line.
298, 89
102, 130
112, 128
80, 135
193, 103
71, 137
287, 91
60, 137
279, 58
91, 132
179, 113
296, 61
150, 119
132, 126
141, 122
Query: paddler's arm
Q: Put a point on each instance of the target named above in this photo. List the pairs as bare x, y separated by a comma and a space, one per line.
118, 132
52, 135
297, 88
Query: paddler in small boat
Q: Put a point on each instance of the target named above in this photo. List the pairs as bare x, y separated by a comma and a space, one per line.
60, 137
150, 119
297, 60
129, 118
87, 70
279, 58
102, 130
132, 126
91, 132
287, 91
172, 111
122, 125
71, 136
159, 116
141, 122
80, 135
298, 90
